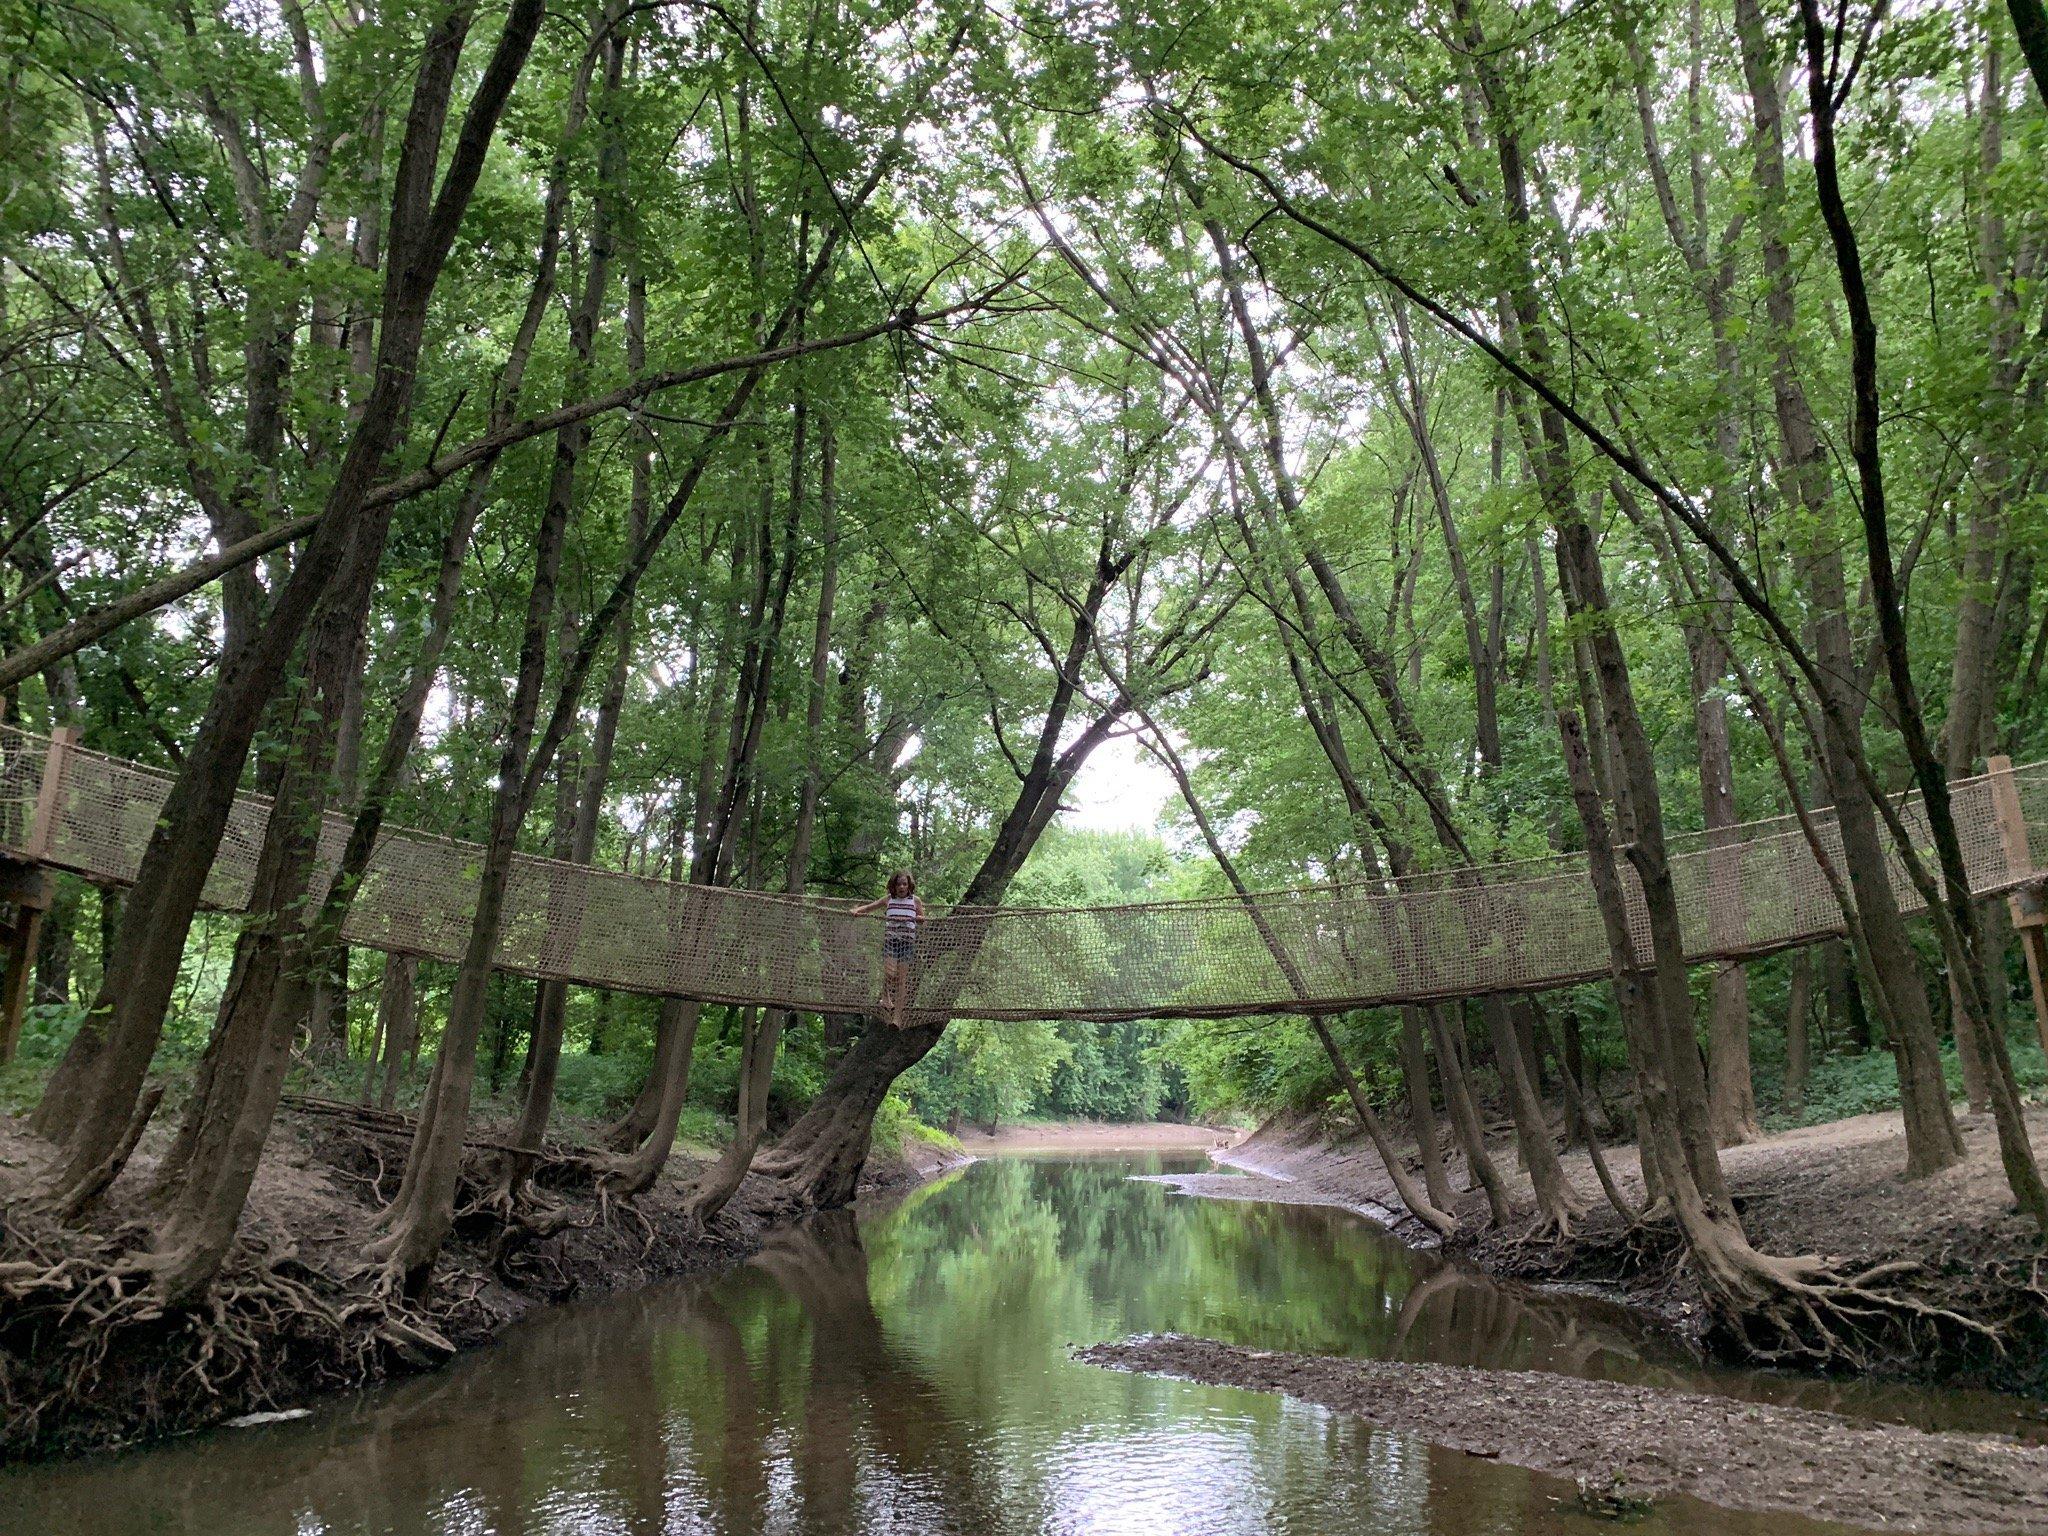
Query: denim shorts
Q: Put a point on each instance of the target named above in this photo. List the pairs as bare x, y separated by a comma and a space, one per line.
898, 946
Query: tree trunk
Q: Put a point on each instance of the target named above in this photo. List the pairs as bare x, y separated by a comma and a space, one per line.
675, 1046
56, 948
1986, 565
230, 1123
1798, 1047
398, 1006
1556, 1202
1844, 1001
395, 1022
1465, 1123
1958, 925
759, 1035
104, 1073
1418, 1203
1932, 1141
421, 1215
1731, 1090
327, 962
1571, 1062
1421, 1113
632, 1128
708, 1196
1582, 583
823, 1153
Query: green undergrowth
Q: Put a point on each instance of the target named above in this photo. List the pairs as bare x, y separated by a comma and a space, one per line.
1867, 1082
897, 1125
46, 1029
591, 1089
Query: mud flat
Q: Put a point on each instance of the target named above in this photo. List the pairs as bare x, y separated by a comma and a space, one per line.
1626, 1442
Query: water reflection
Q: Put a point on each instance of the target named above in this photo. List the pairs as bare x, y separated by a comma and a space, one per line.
910, 1374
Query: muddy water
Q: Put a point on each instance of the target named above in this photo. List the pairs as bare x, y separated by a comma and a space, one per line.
910, 1373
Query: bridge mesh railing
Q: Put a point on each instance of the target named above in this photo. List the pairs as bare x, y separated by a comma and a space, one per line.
1462, 933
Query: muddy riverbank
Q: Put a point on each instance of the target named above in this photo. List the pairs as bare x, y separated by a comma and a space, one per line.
293, 1318
1625, 1444
1836, 1190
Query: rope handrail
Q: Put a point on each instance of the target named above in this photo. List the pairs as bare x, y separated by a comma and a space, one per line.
1465, 931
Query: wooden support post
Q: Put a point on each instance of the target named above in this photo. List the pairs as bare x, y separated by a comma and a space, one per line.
29, 890
2029, 910
50, 795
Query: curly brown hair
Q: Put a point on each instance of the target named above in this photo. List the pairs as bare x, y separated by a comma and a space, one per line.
904, 879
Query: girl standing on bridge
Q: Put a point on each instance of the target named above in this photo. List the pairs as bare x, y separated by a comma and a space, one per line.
901, 913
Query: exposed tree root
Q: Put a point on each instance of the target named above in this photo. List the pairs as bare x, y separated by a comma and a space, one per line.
86, 1342
1800, 1311
92, 1354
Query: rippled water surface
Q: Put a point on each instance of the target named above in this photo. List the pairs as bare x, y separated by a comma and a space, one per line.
910, 1373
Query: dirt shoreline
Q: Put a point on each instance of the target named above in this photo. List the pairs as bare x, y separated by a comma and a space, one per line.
311, 1211
1083, 1136
1625, 1442
1836, 1190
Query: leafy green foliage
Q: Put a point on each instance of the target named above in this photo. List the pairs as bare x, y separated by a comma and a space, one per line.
178, 373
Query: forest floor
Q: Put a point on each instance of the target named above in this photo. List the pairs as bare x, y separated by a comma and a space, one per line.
1627, 1444
1064, 1137
1835, 1190
292, 1317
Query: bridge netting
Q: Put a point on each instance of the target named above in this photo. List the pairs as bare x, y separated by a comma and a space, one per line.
1517, 927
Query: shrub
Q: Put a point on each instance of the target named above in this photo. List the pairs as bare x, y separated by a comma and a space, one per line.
896, 1122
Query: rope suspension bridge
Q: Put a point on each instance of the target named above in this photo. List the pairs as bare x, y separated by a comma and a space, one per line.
1520, 927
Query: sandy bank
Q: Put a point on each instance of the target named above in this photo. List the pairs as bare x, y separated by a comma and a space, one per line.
1626, 1442
1063, 1136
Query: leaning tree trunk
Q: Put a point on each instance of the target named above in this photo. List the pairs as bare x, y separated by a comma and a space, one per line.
95, 1098
1465, 1122
1557, 1204
669, 1075
1417, 1200
1932, 1140
821, 1155
1958, 925
1414, 1198
829, 1142
232, 1121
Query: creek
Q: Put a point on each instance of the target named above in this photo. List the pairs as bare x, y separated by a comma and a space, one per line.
908, 1371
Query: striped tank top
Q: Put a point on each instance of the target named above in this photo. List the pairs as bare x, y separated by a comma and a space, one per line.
900, 915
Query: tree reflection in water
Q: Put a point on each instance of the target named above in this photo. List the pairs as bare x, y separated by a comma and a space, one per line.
911, 1374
